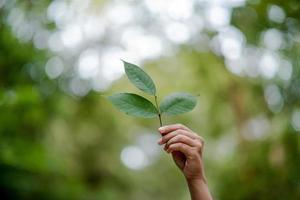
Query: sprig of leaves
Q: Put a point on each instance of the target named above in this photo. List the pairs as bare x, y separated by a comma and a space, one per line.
138, 106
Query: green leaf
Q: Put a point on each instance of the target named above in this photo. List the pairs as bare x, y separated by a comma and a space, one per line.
139, 78
134, 105
178, 103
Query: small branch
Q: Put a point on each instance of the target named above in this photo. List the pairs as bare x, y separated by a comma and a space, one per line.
160, 121
159, 114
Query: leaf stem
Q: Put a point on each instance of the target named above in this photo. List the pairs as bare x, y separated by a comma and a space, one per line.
159, 113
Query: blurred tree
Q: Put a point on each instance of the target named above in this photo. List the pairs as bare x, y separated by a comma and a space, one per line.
59, 146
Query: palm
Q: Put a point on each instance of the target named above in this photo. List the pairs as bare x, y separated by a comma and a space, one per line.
179, 159
188, 166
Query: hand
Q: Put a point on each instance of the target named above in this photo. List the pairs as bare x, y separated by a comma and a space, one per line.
186, 148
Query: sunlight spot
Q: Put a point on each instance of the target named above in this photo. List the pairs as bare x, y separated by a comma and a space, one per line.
268, 65
88, 64
133, 158
232, 42
157, 6
16, 17
177, 32
272, 39
58, 12
119, 14
224, 147
252, 55
111, 64
79, 87
55, 43
236, 66
99, 83
276, 14
54, 67
148, 143
227, 3
180, 9
256, 128
72, 36
274, 98
218, 16
25, 31
145, 46
285, 71
40, 39
94, 28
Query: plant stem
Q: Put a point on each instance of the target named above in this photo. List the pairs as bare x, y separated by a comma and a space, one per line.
159, 114
160, 121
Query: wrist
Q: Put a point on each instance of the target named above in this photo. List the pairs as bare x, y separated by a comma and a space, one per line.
200, 177
196, 182
198, 189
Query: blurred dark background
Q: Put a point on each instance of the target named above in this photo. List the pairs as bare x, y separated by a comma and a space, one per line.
60, 139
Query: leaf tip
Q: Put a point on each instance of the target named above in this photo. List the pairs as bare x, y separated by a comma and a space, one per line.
124, 62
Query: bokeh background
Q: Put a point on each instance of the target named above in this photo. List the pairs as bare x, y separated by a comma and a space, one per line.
60, 139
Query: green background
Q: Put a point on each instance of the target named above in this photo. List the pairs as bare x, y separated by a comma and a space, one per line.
57, 144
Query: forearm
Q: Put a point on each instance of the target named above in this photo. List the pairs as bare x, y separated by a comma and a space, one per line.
199, 190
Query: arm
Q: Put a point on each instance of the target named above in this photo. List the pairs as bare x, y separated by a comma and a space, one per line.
186, 148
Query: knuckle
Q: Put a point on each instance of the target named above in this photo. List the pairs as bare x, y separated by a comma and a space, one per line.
181, 131
168, 137
173, 147
168, 144
199, 147
165, 140
199, 142
182, 146
173, 140
180, 138
177, 132
180, 125
200, 139
197, 137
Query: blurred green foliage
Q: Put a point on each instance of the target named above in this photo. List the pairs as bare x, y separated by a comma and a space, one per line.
57, 146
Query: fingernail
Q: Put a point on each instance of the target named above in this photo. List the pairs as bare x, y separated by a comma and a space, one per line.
161, 129
159, 141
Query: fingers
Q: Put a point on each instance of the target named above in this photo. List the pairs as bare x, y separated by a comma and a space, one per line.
196, 144
169, 128
188, 151
180, 135
172, 134
183, 139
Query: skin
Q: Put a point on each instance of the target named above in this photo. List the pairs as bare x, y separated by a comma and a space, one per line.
186, 148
